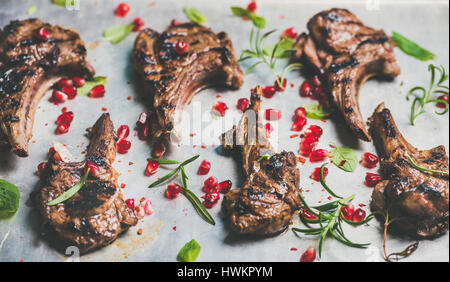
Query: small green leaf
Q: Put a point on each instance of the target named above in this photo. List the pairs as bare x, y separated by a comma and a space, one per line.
189, 252
117, 33
9, 198
63, 3
344, 158
194, 15
314, 111
32, 9
86, 88
3, 142
264, 157
72, 191
240, 12
258, 22
411, 48
283, 47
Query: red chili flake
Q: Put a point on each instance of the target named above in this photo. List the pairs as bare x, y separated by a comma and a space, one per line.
362, 205
123, 185
301, 160
174, 228
293, 136
130, 163
140, 231
142, 199
294, 249
129, 98
192, 134
218, 96
203, 146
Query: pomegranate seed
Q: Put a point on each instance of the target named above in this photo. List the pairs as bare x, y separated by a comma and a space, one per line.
252, 6
369, 160
173, 190
307, 145
281, 88
372, 179
225, 186
268, 91
66, 117
53, 154
144, 133
97, 92
314, 130
42, 34
318, 155
348, 211
211, 199
306, 214
298, 124
300, 112
359, 215
309, 255
220, 108
70, 91
319, 94
269, 129
272, 114
78, 81
122, 9
148, 207
139, 212
58, 97
138, 24
151, 168
158, 150
316, 173
305, 89
130, 203
210, 185
64, 83
62, 128
174, 22
123, 146
444, 97
41, 167
142, 120
316, 81
95, 171
290, 33
123, 131
242, 104
181, 47
204, 168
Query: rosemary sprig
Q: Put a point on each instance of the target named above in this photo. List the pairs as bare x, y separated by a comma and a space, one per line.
416, 166
329, 217
180, 169
423, 97
269, 55
72, 191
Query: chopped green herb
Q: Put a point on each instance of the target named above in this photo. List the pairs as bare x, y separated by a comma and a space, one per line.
9, 198
32, 9
64, 3
257, 21
189, 252
194, 15
411, 48
87, 87
344, 158
264, 157
314, 111
117, 33
72, 191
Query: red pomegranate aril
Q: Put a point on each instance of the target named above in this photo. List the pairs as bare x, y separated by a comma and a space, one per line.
372, 179
173, 190
204, 168
305, 89
290, 33
138, 24
58, 97
298, 124
220, 108
444, 97
225, 186
174, 22
142, 120
307, 146
144, 133
278, 87
252, 6
123, 146
158, 149
309, 255
151, 168
65, 83
211, 199
130, 203
314, 130
316, 173
242, 104
210, 185
70, 91
316, 81
359, 215
53, 154
95, 170
369, 160
148, 207
269, 129
300, 112
268, 91
348, 211
41, 167
62, 128
66, 117
139, 212
97, 92
308, 215
271, 114
122, 9
123, 131
78, 81
181, 47
318, 155
42, 34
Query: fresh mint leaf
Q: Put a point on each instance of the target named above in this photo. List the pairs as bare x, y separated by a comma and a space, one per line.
344, 158
240, 12
257, 21
410, 48
281, 49
86, 88
314, 111
9, 198
189, 252
117, 33
194, 15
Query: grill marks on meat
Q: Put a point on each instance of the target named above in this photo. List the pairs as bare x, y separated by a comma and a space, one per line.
417, 200
270, 194
97, 214
172, 80
347, 53
28, 68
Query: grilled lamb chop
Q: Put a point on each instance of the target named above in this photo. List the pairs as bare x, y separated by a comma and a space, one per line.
96, 215
346, 53
29, 66
171, 79
270, 194
417, 200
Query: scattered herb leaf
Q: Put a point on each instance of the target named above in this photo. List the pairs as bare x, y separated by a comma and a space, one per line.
344, 158
283, 48
314, 111
264, 157
9, 198
416, 166
410, 48
194, 15
63, 3
189, 252
32, 10
72, 191
87, 87
258, 22
117, 33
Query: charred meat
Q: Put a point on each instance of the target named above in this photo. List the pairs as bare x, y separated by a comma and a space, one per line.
29, 65
417, 200
270, 195
172, 76
97, 213
346, 53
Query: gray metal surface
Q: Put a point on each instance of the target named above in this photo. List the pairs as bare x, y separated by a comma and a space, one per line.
426, 22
